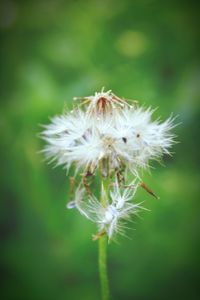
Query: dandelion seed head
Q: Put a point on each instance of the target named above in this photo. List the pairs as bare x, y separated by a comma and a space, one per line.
106, 133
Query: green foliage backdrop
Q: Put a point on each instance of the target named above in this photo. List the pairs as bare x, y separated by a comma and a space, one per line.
52, 50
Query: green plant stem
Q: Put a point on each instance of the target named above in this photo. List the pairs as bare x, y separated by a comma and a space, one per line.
103, 254
103, 267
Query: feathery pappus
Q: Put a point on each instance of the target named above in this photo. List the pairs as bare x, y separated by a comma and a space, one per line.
112, 136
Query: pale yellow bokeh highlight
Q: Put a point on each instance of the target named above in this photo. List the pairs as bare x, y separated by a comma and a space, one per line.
132, 43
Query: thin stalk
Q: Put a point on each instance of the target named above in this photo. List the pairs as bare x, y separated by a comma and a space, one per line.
103, 251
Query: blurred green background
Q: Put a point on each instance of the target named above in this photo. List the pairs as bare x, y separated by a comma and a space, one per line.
52, 50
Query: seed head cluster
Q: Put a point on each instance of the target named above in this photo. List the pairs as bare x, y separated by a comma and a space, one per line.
109, 138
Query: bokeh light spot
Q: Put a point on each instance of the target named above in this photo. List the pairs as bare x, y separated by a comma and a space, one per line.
132, 43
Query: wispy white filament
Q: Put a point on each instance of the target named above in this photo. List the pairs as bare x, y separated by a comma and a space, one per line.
111, 216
